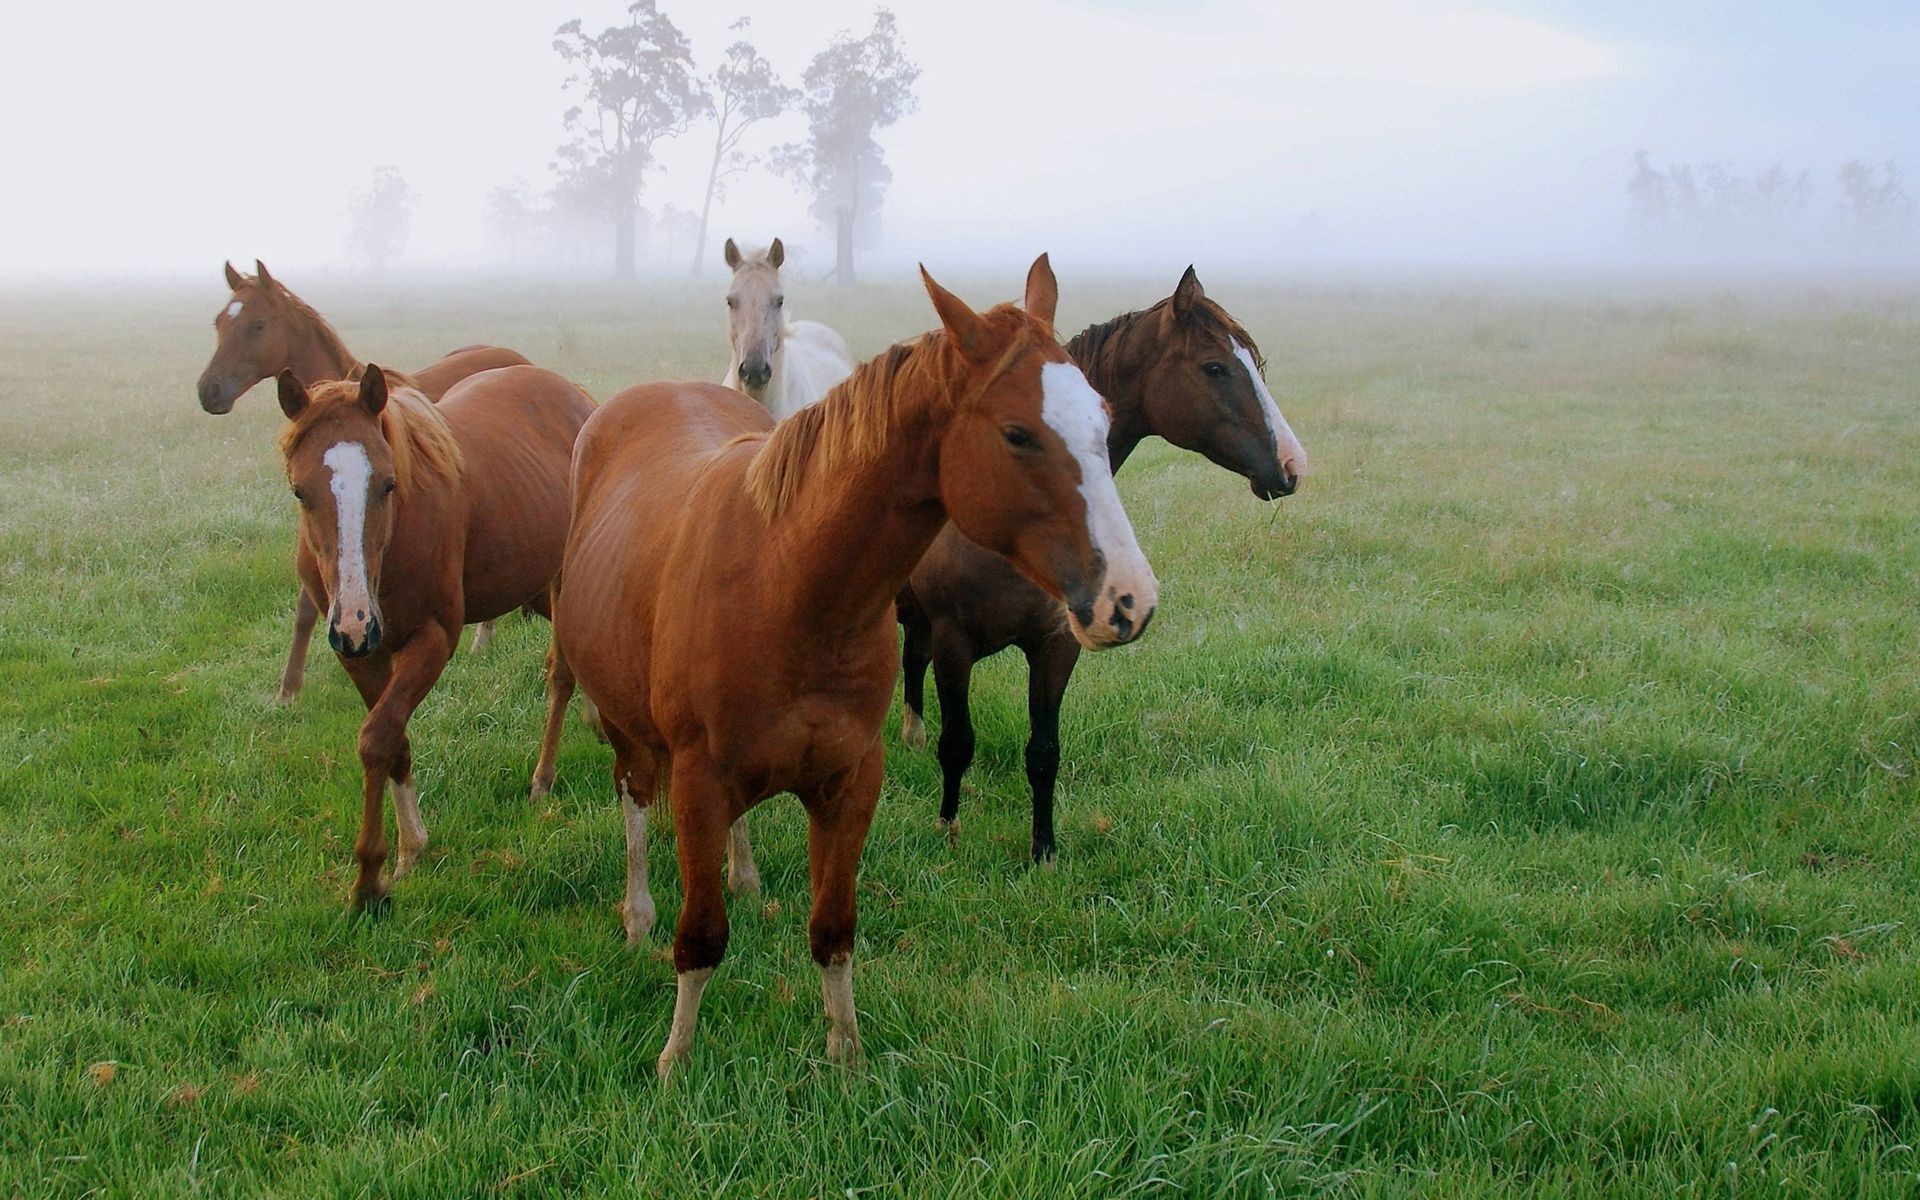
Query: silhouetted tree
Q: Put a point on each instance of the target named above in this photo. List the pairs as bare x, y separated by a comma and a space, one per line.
1874, 201
636, 82
853, 89
381, 217
512, 213
742, 91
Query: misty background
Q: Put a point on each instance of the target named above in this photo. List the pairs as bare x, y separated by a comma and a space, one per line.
1239, 135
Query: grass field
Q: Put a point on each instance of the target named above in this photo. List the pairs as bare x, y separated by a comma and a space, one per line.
1526, 807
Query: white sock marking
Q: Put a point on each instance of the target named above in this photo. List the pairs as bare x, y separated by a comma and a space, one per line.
638, 914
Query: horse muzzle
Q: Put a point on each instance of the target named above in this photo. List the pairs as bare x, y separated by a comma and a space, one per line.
354, 639
215, 397
1116, 612
756, 376
1271, 485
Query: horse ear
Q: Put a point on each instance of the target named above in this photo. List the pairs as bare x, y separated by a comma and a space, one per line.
293, 396
260, 273
733, 256
234, 278
968, 331
1043, 290
1187, 295
373, 389
776, 254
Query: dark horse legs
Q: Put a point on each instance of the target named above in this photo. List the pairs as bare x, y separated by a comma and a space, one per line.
1050, 664
952, 673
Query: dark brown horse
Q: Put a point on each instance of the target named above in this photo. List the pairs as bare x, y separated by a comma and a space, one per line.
415, 520
728, 590
1183, 370
266, 329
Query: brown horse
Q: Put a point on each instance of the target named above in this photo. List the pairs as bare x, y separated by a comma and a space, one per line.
1184, 370
416, 519
728, 587
266, 329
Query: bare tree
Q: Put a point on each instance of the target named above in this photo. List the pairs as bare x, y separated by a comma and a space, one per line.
637, 85
381, 217
853, 89
742, 91
1874, 201
1649, 193
511, 214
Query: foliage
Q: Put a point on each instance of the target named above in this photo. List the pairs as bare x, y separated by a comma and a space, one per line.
1874, 201
852, 90
741, 92
512, 213
637, 87
381, 217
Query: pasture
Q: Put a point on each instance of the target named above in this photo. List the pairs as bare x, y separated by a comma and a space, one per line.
1526, 807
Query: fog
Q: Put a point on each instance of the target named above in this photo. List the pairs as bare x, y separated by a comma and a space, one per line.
1241, 135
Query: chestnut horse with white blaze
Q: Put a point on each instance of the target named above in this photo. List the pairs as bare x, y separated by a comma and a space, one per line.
727, 597
784, 364
266, 329
417, 519
1183, 370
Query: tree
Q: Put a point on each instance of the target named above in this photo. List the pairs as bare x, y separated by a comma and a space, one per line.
1874, 200
742, 91
381, 217
1647, 192
853, 89
637, 87
511, 213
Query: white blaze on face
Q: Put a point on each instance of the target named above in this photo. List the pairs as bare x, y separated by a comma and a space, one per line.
1286, 447
1072, 409
233, 310
351, 473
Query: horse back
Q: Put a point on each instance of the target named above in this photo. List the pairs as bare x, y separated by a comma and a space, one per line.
516, 426
435, 379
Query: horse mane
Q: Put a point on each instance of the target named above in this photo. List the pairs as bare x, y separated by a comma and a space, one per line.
852, 423
418, 436
281, 293
1100, 348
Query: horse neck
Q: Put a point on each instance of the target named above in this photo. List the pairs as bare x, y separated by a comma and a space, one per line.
1115, 373
853, 535
318, 353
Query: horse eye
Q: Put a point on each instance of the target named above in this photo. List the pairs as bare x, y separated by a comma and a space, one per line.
256, 327
300, 495
1019, 438
1216, 370
732, 303
779, 301
388, 489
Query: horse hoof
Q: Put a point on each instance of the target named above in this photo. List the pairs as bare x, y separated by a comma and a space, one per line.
951, 828
540, 790
668, 1060
913, 731
403, 865
843, 1048
285, 695
373, 906
638, 925
1043, 855
744, 885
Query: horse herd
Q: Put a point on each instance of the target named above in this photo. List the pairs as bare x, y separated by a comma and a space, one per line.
723, 564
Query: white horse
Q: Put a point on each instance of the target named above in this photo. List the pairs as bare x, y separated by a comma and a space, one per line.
785, 365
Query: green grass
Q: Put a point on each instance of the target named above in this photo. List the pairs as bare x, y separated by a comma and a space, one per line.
1524, 808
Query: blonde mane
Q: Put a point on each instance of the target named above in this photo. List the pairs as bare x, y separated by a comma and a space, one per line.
417, 435
851, 425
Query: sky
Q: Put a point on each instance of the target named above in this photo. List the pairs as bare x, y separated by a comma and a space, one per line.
1239, 133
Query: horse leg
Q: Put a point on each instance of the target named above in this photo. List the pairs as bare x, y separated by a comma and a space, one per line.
743, 875
385, 754
559, 691
916, 651
305, 614
636, 776
1050, 666
701, 804
952, 675
839, 816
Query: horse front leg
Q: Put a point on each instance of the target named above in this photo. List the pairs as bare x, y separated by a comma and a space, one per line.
1049, 669
839, 816
305, 614
385, 754
953, 660
703, 805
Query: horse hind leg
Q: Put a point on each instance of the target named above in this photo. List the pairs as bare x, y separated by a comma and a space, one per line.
559, 691
305, 614
916, 651
482, 638
636, 780
743, 874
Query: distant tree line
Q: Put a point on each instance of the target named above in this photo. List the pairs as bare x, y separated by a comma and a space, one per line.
1701, 205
